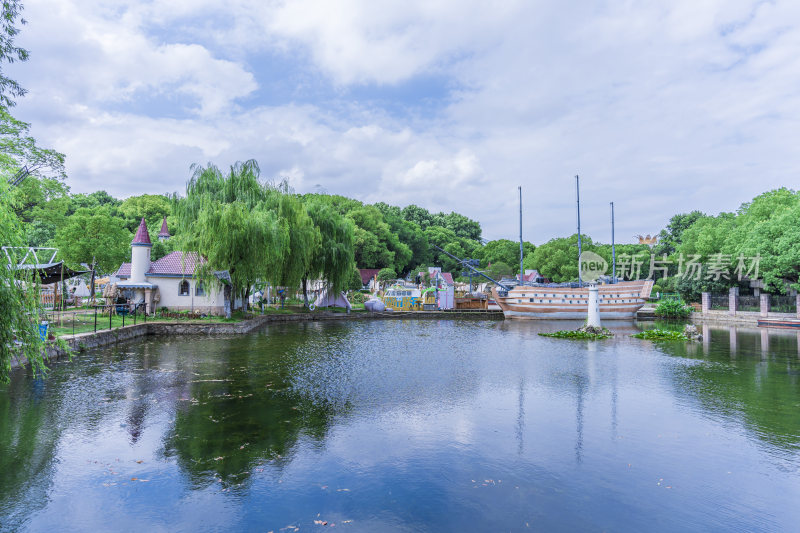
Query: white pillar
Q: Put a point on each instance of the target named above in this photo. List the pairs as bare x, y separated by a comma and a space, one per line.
593, 318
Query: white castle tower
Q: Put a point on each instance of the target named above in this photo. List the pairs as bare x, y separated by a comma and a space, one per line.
140, 254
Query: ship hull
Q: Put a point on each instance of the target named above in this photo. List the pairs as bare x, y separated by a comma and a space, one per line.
619, 301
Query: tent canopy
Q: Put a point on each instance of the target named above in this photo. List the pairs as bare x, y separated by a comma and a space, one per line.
52, 272
325, 299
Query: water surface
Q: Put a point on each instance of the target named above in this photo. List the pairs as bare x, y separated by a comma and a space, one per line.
408, 425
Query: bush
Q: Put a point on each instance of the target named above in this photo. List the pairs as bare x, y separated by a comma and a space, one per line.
357, 298
673, 309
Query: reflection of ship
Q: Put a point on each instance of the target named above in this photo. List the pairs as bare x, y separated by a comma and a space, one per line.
619, 300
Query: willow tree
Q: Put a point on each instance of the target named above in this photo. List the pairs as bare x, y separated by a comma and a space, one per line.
334, 258
20, 310
228, 219
304, 239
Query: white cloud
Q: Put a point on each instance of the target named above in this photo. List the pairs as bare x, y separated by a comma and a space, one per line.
660, 107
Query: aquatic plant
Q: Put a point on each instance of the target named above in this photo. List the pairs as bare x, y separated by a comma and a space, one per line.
580, 334
661, 335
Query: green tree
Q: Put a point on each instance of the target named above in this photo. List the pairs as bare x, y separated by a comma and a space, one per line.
672, 236
20, 310
9, 51
409, 233
385, 275
502, 250
304, 240
153, 207
418, 215
334, 257
462, 226
376, 245
94, 233
557, 259
228, 220
499, 270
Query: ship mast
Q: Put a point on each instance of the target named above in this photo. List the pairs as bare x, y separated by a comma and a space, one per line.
521, 270
613, 251
578, 190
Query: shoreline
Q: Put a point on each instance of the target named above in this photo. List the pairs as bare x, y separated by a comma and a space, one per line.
85, 341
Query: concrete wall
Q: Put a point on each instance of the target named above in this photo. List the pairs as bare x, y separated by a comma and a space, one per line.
169, 296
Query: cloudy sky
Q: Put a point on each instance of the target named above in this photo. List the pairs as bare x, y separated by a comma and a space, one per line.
661, 107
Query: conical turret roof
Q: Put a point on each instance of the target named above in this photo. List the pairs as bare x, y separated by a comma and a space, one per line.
164, 230
142, 236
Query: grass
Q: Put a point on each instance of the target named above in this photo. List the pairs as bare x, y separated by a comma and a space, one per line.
70, 323
661, 335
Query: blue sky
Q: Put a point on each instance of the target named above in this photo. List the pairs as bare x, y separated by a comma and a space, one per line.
660, 107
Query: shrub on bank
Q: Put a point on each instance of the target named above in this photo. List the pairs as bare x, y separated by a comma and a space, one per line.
673, 309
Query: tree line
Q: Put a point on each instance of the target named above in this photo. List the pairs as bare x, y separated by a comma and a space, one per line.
696, 252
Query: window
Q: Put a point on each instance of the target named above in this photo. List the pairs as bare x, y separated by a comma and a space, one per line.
199, 289
183, 288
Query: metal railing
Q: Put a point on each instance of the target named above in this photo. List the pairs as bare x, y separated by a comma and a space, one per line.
95, 318
748, 303
782, 304
719, 301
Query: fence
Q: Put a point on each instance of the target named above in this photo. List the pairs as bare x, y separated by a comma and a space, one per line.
719, 301
97, 318
782, 304
749, 303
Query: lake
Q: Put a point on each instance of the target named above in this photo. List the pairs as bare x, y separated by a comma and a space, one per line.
408, 425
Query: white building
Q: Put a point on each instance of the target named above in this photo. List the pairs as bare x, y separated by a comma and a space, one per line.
170, 281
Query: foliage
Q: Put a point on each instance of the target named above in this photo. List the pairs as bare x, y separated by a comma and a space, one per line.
303, 241
9, 52
579, 335
672, 309
20, 310
672, 236
94, 234
153, 207
18, 149
387, 274
333, 258
661, 335
499, 270
225, 217
504, 251
355, 280
376, 244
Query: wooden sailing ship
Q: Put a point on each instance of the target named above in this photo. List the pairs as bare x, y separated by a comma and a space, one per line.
618, 301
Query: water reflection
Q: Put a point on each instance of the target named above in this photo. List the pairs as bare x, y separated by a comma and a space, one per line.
409, 425
751, 374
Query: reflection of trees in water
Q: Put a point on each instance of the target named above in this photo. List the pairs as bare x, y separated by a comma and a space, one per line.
29, 434
740, 380
238, 411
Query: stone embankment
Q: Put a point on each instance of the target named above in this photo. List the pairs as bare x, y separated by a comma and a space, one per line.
85, 341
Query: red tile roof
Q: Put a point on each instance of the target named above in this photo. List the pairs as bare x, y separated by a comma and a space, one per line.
142, 237
124, 271
164, 230
172, 264
367, 274
176, 264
